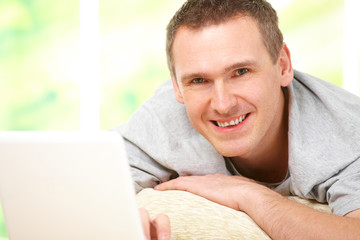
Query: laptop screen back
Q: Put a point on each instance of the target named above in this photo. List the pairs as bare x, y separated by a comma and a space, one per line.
67, 185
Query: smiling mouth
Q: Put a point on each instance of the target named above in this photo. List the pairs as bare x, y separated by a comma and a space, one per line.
232, 123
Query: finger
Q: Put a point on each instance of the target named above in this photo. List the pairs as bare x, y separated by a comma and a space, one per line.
160, 228
180, 183
145, 220
165, 186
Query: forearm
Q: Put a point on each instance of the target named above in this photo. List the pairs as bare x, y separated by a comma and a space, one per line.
281, 218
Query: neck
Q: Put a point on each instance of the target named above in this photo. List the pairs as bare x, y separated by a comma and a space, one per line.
272, 169
270, 164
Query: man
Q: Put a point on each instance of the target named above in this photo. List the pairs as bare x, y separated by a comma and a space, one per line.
272, 132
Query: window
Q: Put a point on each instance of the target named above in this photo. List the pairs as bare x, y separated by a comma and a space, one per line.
38, 65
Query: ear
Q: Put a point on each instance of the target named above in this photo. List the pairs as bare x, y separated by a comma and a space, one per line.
285, 66
177, 92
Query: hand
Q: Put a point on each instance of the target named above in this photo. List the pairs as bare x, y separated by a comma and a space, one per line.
157, 228
231, 191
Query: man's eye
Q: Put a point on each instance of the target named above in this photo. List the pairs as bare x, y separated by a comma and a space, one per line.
241, 71
198, 80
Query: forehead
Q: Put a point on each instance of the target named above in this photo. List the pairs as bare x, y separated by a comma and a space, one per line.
237, 39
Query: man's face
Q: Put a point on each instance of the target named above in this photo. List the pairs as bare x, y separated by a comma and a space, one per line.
229, 85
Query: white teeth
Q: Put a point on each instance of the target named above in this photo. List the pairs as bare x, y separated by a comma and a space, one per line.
232, 123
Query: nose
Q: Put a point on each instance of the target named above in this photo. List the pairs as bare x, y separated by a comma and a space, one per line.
223, 100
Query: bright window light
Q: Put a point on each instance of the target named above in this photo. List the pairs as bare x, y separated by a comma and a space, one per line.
351, 47
89, 70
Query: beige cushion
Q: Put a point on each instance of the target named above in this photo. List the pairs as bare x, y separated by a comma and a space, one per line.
194, 217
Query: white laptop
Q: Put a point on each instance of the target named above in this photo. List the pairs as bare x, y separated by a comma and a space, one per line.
67, 185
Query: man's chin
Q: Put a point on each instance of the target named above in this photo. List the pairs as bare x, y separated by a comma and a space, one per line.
228, 145
227, 151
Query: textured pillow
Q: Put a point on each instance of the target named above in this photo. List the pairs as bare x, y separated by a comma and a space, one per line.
194, 217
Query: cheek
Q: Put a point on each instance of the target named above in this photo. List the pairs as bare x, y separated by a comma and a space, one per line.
269, 103
195, 107
263, 96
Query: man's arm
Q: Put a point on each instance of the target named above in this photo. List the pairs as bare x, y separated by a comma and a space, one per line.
279, 217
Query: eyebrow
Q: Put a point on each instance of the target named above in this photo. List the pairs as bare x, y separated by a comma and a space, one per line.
193, 76
237, 65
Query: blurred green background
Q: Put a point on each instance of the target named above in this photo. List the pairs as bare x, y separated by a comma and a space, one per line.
39, 56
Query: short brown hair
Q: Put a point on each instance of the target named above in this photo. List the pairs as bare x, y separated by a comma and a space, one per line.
196, 14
